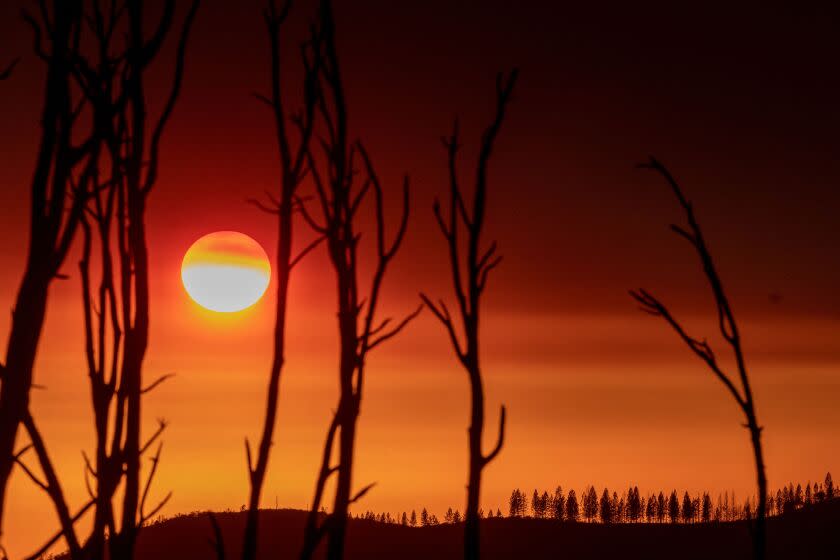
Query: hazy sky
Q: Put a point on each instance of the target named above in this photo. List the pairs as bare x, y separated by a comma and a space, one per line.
740, 102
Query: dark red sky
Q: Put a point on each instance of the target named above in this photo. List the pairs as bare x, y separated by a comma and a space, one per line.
740, 100
741, 103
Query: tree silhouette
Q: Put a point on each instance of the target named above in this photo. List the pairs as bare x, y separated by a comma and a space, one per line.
829, 486
660, 507
729, 331
558, 504
55, 183
590, 504
605, 507
673, 507
478, 263
651, 509
706, 514
572, 512
339, 197
687, 509
120, 173
293, 161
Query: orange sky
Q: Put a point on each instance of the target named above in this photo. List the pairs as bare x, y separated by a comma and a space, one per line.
596, 392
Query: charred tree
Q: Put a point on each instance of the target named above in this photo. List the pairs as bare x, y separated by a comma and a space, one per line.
339, 196
55, 186
729, 331
293, 162
477, 263
121, 173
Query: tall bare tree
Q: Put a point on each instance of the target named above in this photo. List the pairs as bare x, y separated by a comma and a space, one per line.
729, 330
477, 263
122, 171
293, 164
339, 196
53, 188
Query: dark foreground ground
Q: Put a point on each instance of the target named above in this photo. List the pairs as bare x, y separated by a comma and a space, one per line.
807, 534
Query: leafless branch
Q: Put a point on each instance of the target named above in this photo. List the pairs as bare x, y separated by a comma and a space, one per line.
162, 424
144, 517
306, 250
217, 543
501, 439
396, 330
39, 554
157, 383
442, 313
157, 134
361, 493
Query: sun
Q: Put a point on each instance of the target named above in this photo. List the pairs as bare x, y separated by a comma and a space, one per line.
225, 271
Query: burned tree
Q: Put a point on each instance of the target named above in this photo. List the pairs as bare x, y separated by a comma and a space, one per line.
55, 186
293, 162
729, 331
123, 170
339, 196
477, 263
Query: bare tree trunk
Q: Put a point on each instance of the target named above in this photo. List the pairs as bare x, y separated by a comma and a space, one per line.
292, 164
477, 265
476, 464
51, 230
729, 331
339, 197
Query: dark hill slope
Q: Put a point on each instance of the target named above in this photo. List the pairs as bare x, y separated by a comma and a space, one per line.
808, 534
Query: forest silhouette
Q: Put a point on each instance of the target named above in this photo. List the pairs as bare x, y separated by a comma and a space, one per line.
99, 158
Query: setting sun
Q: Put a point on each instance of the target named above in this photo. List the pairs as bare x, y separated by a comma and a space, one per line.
225, 271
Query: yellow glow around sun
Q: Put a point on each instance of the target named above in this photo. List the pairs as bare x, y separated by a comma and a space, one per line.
225, 271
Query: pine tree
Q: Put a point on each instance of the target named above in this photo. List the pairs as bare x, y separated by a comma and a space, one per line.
798, 498
808, 493
424, 518
572, 512
404, 519
673, 507
650, 510
447, 518
617, 506
706, 514
687, 510
456, 517
558, 509
515, 503
545, 500
660, 507
634, 504
413, 520
606, 507
498, 512
829, 486
590, 504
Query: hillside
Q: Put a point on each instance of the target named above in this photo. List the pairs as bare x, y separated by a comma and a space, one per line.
810, 534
